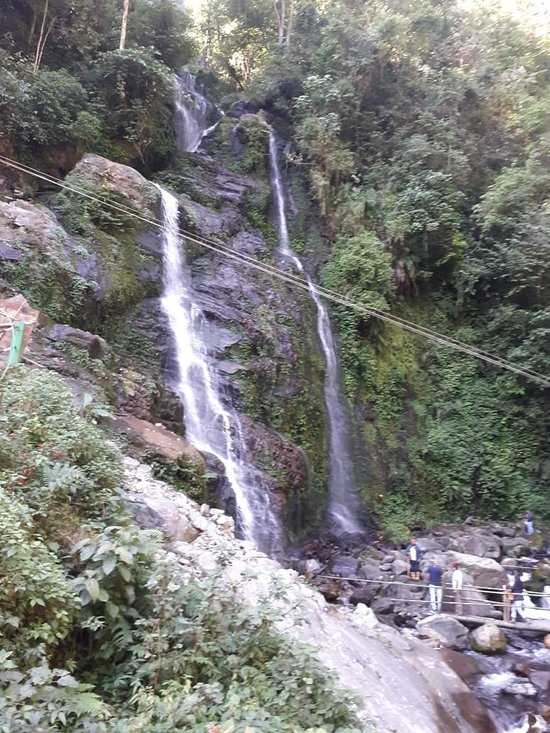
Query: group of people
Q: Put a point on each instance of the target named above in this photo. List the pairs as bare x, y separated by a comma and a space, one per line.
512, 591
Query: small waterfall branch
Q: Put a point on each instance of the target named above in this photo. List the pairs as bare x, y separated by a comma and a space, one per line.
196, 116
344, 503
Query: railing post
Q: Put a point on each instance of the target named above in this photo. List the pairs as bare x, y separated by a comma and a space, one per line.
16, 347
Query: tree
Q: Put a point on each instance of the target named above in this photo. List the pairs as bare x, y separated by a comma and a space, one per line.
124, 24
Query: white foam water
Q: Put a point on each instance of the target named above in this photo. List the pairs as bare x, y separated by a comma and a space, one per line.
344, 503
193, 114
211, 426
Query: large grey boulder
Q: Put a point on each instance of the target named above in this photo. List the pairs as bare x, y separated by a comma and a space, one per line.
514, 546
488, 639
483, 545
485, 571
444, 629
127, 184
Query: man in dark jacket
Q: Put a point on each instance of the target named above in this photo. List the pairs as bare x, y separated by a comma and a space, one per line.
517, 602
434, 574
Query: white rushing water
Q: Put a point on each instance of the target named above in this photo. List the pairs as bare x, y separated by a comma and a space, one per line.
344, 504
193, 114
211, 426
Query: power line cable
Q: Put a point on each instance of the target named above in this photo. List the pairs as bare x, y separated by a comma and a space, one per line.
329, 294
433, 336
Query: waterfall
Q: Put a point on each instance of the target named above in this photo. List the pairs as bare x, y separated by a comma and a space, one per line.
193, 114
210, 426
344, 503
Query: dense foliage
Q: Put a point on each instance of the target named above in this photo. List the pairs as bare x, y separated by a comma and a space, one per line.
100, 629
80, 93
424, 129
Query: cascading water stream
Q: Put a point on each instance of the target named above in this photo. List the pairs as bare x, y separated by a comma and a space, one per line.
193, 114
344, 504
210, 426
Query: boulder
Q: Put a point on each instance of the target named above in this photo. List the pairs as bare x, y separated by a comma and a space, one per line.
95, 345
345, 565
383, 606
156, 439
504, 530
400, 566
465, 666
446, 630
485, 571
514, 546
541, 679
488, 639
431, 544
121, 180
364, 616
483, 546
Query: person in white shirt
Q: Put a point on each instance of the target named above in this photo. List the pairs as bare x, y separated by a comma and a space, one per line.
457, 582
413, 552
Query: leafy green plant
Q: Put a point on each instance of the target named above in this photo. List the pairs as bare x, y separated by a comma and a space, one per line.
37, 603
113, 567
201, 658
40, 698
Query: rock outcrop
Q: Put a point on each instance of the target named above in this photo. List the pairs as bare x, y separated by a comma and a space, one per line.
401, 684
445, 630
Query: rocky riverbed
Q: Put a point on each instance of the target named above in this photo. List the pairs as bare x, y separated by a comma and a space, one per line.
508, 671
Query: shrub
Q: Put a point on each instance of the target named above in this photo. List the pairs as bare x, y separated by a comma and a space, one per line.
44, 110
44, 700
59, 461
137, 91
37, 603
202, 658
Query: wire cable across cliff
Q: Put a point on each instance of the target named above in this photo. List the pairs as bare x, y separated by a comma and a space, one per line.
335, 297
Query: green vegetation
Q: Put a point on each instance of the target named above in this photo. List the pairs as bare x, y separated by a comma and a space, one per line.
100, 631
423, 129
82, 94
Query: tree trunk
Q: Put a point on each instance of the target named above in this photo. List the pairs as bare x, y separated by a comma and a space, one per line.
46, 34
124, 25
280, 11
289, 23
39, 45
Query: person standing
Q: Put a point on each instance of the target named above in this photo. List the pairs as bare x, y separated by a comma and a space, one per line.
517, 602
507, 599
413, 552
529, 524
457, 582
435, 574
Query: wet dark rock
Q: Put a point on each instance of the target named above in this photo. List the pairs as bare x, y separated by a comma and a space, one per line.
541, 680
94, 345
446, 630
345, 565
383, 606
466, 667
243, 107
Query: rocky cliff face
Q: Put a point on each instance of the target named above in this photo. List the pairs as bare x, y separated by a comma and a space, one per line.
98, 269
